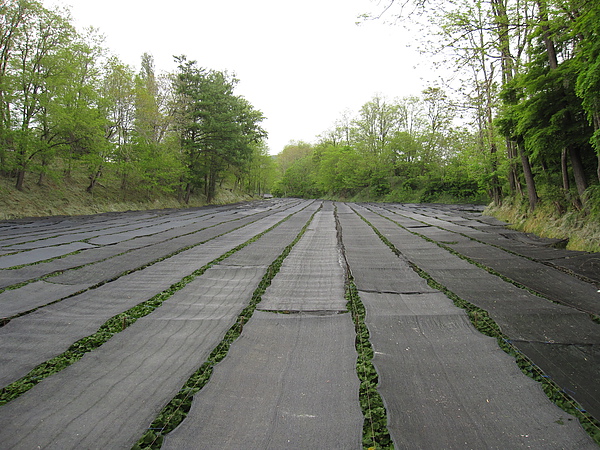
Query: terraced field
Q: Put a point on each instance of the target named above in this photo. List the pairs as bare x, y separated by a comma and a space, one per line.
295, 324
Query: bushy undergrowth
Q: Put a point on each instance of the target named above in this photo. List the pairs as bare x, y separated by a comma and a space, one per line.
423, 190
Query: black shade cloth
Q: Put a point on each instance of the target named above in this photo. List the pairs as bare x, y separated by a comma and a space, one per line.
288, 382
34, 338
134, 374
520, 314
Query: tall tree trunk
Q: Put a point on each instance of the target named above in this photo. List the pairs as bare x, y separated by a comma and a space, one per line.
565, 170
212, 185
496, 188
598, 170
529, 180
21, 164
180, 190
42, 171
508, 71
513, 177
578, 171
188, 193
20, 179
548, 42
564, 163
94, 179
596, 119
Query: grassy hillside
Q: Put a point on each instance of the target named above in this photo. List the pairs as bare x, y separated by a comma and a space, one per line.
55, 198
581, 229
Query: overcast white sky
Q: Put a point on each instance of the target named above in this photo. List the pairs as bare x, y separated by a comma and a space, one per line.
302, 63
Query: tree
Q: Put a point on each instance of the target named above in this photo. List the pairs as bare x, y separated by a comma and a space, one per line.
12, 14
259, 173
158, 163
338, 171
118, 103
408, 155
375, 126
438, 115
29, 77
291, 153
216, 127
149, 119
340, 133
73, 123
299, 180
587, 26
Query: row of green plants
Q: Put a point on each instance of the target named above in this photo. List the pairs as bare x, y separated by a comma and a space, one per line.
482, 321
375, 434
375, 431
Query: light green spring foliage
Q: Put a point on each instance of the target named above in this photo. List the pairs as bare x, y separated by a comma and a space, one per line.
402, 150
68, 107
522, 122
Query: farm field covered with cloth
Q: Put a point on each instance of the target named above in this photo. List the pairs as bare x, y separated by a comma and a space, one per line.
291, 323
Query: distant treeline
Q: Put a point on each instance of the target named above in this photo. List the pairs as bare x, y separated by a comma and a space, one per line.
405, 149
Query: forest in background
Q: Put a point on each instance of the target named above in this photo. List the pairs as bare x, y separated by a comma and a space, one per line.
401, 150
516, 123
519, 122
